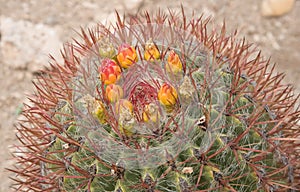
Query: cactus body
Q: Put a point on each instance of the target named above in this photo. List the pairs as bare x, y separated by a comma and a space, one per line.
168, 107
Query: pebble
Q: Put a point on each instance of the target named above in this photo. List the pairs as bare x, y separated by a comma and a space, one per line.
271, 8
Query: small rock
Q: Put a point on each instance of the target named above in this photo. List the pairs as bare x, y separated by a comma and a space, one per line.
276, 7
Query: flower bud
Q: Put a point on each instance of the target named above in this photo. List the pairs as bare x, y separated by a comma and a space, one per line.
126, 56
124, 109
106, 50
94, 106
151, 113
109, 71
186, 89
151, 51
99, 111
114, 92
174, 64
124, 105
167, 96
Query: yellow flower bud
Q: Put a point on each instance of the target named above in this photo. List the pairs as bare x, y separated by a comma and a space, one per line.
174, 64
126, 56
124, 105
151, 113
95, 107
167, 96
99, 111
114, 92
151, 51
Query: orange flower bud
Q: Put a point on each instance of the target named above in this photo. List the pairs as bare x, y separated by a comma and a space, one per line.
151, 51
151, 113
109, 71
126, 56
114, 92
174, 64
167, 95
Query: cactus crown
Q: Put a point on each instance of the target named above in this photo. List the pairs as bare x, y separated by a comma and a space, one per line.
159, 104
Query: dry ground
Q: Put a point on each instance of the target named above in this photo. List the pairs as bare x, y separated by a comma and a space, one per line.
31, 29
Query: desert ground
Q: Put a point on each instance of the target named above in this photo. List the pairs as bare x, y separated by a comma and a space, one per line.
31, 30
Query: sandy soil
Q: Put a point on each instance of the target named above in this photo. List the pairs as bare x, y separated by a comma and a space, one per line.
29, 30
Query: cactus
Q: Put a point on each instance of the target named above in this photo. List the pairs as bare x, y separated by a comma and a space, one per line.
159, 103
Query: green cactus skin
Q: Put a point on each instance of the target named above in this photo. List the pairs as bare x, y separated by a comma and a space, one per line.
230, 124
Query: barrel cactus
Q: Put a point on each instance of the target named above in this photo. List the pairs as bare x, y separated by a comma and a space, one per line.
159, 103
